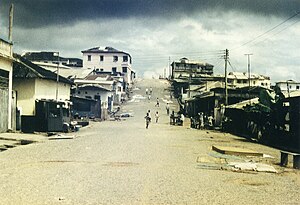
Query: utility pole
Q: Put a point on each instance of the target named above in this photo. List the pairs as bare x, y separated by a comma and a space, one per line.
190, 81
11, 16
170, 72
57, 74
10, 74
249, 74
226, 91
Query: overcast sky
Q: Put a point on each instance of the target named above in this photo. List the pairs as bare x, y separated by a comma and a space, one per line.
153, 30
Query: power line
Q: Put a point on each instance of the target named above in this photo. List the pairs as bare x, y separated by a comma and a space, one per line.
268, 31
283, 29
186, 53
233, 69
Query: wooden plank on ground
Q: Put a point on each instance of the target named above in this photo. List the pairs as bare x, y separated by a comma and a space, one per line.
236, 151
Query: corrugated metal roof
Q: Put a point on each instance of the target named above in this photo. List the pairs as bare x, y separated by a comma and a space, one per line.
20, 64
100, 49
94, 86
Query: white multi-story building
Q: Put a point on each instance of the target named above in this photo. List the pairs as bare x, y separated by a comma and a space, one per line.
109, 59
288, 85
238, 80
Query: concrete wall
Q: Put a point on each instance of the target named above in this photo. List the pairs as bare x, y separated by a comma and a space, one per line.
14, 110
239, 83
3, 110
86, 92
288, 86
6, 107
25, 95
46, 89
6, 55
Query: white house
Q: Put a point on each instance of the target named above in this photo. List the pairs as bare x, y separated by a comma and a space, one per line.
97, 90
239, 79
110, 60
289, 85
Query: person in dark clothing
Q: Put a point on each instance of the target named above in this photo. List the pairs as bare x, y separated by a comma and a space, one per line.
148, 120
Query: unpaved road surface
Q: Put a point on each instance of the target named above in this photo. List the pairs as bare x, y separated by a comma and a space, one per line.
121, 162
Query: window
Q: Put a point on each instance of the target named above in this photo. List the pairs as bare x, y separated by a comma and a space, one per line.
97, 97
115, 58
78, 92
262, 84
239, 81
125, 58
89, 57
101, 58
114, 69
297, 87
124, 69
254, 82
244, 81
54, 110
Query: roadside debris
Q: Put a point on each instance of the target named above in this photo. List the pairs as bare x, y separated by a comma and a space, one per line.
219, 161
126, 114
236, 151
252, 166
60, 137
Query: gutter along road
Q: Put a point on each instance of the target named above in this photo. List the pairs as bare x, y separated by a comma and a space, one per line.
121, 162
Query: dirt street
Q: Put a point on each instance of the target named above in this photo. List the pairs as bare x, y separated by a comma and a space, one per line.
122, 162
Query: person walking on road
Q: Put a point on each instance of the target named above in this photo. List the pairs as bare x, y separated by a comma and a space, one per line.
151, 90
157, 102
149, 114
156, 117
148, 120
146, 91
201, 121
168, 109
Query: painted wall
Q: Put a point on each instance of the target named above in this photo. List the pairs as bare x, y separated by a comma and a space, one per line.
239, 83
46, 89
89, 93
25, 89
6, 117
3, 110
6, 55
284, 86
28, 90
118, 88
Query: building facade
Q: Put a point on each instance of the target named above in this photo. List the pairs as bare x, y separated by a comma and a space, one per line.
6, 97
110, 60
288, 85
239, 80
185, 68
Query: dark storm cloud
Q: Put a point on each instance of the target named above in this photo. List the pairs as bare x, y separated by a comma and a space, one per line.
42, 13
